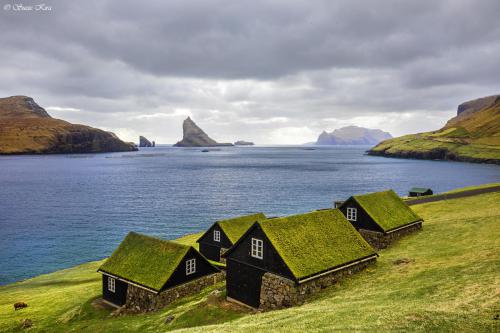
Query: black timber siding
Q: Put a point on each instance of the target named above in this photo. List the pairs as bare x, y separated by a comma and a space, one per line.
210, 251
119, 296
243, 282
244, 272
203, 268
364, 221
207, 243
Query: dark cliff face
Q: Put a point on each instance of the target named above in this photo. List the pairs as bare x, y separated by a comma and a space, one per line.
352, 135
143, 142
26, 128
193, 136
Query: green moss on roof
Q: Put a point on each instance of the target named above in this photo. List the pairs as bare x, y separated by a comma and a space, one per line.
315, 242
145, 260
419, 189
387, 209
235, 228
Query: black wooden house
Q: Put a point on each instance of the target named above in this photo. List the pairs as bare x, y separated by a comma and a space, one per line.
298, 248
224, 233
419, 191
380, 217
151, 264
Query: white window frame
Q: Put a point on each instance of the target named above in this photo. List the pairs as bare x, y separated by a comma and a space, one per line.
111, 284
217, 235
190, 266
352, 214
257, 250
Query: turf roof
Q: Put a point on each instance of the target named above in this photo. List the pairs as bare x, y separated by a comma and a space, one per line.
387, 209
315, 242
235, 228
145, 260
419, 189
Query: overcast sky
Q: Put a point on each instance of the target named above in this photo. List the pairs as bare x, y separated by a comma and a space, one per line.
265, 71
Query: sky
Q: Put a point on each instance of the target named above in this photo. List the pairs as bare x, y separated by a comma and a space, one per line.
272, 72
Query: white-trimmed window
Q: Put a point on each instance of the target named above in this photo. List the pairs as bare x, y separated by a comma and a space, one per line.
111, 284
352, 214
190, 266
257, 248
217, 235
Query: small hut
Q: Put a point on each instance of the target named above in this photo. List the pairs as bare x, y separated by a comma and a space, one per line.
279, 262
224, 233
146, 273
419, 191
381, 217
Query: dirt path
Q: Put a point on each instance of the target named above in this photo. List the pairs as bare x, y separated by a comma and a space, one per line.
463, 194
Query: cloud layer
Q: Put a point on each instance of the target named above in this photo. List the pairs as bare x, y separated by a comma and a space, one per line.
267, 71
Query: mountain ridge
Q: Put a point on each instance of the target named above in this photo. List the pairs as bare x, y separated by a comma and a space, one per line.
352, 135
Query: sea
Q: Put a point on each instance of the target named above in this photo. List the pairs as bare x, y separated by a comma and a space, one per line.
58, 211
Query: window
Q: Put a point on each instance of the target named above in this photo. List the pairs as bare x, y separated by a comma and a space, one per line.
190, 266
257, 248
111, 284
352, 214
217, 235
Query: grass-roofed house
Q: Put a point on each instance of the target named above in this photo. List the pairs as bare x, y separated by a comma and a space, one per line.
279, 262
419, 191
146, 273
224, 233
381, 217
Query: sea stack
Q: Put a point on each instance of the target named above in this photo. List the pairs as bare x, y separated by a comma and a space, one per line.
27, 128
143, 142
193, 136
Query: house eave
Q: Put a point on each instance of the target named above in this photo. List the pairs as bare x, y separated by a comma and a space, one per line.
338, 268
128, 281
403, 226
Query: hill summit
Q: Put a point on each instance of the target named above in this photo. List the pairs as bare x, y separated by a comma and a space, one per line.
353, 135
472, 136
193, 136
27, 128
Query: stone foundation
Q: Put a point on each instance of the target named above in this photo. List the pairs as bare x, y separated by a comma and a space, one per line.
141, 300
277, 292
222, 251
380, 240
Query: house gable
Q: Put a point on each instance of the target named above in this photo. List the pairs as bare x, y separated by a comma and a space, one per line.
202, 268
363, 220
271, 260
208, 237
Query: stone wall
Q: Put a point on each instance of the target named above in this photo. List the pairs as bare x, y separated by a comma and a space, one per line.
278, 292
222, 251
380, 240
141, 300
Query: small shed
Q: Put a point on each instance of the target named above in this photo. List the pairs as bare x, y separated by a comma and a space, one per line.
225, 233
381, 217
144, 271
419, 191
278, 262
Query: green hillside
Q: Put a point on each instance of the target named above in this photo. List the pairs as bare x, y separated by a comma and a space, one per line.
444, 278
472, 136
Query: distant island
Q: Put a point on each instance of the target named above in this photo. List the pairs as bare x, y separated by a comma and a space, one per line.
26, 128
243, 143
143, 142
352, 135
193, 136
472, 136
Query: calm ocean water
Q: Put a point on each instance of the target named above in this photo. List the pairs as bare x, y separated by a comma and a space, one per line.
61, 210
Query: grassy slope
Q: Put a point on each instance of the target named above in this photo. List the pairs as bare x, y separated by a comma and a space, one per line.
451, 284
471, 138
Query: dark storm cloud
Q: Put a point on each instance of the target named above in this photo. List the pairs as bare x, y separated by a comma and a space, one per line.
296, 62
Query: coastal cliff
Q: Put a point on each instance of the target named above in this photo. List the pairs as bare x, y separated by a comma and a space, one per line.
472, 136
143, 142
352, 135
26, 128
193, 136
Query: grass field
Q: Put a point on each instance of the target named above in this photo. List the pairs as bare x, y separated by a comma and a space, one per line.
450, 283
